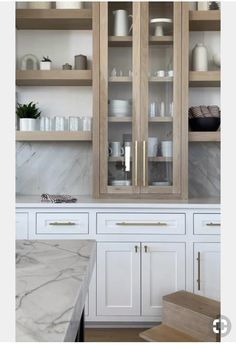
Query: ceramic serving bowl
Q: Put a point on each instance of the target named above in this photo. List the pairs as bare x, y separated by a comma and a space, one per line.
204, 124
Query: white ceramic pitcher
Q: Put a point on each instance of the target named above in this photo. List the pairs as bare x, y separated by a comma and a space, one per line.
121, 23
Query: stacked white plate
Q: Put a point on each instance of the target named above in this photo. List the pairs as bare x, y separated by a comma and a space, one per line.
119, 107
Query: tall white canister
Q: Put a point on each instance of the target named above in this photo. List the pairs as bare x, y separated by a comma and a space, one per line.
199, 58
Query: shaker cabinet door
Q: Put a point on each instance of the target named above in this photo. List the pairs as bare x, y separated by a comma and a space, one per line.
163, 272
207, 270
118, 278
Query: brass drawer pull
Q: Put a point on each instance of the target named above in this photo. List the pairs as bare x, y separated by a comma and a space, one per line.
199, 271
62, 223
144, 163
136, 163
136, 224
213, 224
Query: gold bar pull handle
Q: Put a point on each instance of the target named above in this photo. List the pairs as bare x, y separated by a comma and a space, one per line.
136, 163
144, 163
199, 271
62, 223
211, 224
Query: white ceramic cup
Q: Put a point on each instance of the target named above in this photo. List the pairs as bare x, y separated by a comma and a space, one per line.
152, 146
115, 149
161, 73
167, 148
170, 73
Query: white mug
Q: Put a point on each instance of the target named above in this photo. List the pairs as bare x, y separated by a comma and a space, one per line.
161, 73
167, 148
152, 146
115, 149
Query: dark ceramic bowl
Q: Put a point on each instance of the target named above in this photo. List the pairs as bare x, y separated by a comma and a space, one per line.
206, 124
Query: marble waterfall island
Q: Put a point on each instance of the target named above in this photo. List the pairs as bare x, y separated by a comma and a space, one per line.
52, 280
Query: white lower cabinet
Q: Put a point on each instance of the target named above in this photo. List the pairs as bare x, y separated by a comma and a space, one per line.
124, 282
118, 278
207, 269
163, 272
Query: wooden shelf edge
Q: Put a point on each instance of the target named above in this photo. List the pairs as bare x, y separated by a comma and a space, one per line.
204, 20
54, 136
54, 77
204, 79
80, 19
204, 136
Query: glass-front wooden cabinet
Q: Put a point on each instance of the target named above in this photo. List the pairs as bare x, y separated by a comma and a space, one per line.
140, 99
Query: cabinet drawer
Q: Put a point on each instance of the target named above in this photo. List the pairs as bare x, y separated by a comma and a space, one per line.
21, 225
140, 223
207, 223
62, 223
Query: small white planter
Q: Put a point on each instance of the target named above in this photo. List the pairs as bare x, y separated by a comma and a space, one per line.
27, 124
69, 4
43, 5
45, 65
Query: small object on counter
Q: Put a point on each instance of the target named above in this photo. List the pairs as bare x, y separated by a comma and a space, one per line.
45, 63
214, 5
45, 123
67, 66
58, 199
199, 58
81, 62
59, 122
29, 62
73, 123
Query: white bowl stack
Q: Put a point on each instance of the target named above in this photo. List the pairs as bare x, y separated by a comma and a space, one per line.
119, 107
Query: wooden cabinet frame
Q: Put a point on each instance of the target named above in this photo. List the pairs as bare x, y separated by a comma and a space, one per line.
140, 40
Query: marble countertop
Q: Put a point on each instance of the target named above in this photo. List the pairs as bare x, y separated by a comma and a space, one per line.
52, 280
32, 201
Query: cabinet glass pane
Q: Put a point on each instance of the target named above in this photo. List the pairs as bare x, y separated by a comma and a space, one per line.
160, 94
120, 108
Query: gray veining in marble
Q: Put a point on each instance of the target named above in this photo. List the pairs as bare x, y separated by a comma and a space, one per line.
52, 280
66, 168
56, 168
204, 170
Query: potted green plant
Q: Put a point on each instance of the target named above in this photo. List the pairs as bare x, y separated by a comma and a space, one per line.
27, 113
45, 63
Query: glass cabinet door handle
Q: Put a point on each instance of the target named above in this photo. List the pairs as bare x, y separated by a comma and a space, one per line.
144, 163
136, 163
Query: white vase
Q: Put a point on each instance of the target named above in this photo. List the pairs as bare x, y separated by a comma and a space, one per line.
199, 58
45, 65
202, 5
42, 5
69, 4
27, 124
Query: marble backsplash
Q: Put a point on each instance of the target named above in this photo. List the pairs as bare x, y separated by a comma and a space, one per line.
66, 168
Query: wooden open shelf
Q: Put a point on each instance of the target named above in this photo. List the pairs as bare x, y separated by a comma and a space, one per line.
161, 40
161, 119
204, 79
120, 79
204, 136
54, 77
53, 136
115, 119
204, 20
54, 19
120, 41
